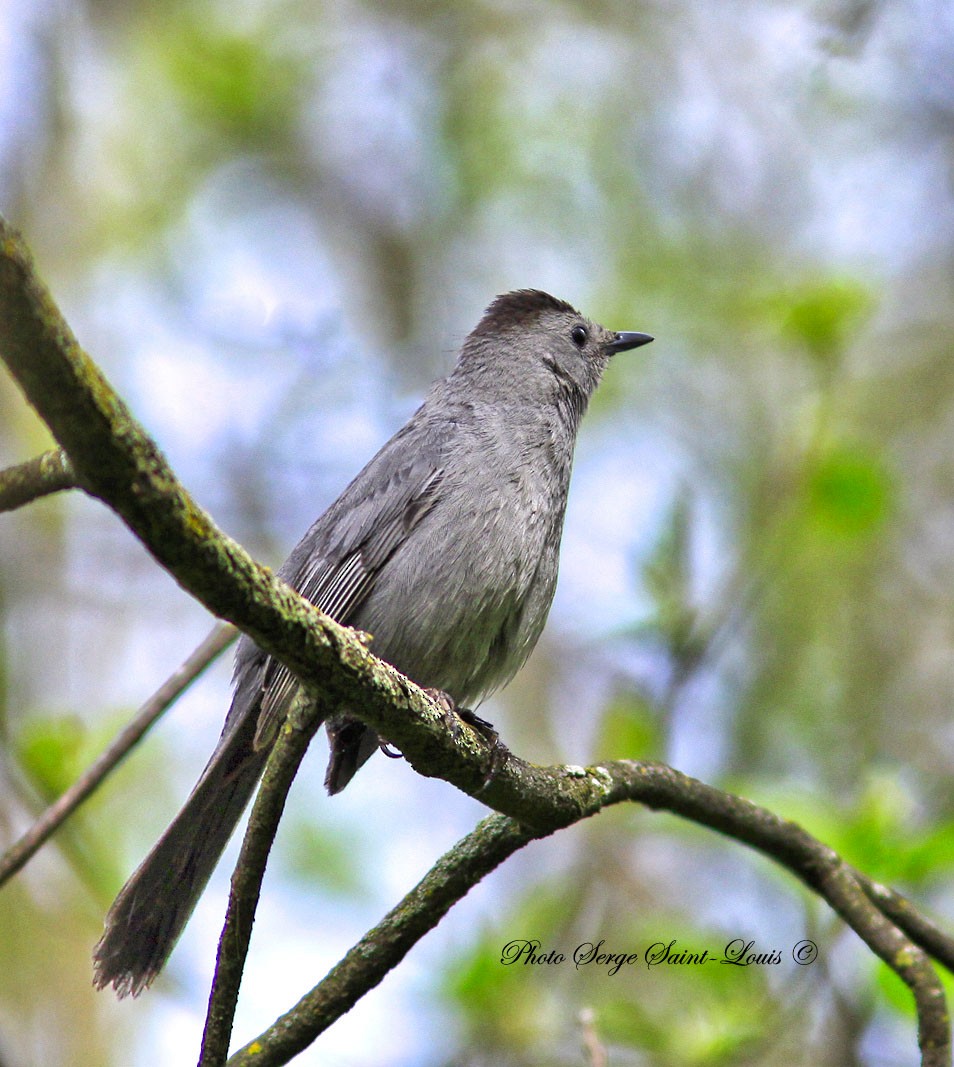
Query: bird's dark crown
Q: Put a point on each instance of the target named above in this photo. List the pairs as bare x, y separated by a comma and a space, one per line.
518, 308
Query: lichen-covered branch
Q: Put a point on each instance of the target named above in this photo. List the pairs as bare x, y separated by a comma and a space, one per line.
48, 473
924, 933
117, 461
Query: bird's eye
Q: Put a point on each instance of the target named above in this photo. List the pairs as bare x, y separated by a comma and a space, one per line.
579, 335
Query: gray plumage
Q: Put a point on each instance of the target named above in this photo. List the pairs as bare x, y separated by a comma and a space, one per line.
444, 548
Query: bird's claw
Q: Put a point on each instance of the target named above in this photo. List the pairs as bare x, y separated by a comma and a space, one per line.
454, 716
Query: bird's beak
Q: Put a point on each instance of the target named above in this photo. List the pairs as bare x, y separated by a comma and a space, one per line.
623, 341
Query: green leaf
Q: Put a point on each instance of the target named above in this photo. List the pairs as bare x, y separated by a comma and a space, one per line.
50, 752
235, 82
849, 492
629, 729
822, 316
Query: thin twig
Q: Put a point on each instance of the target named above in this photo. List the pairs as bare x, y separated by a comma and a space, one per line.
592, 1046
280, 770
61, 809
48, 473
917, 926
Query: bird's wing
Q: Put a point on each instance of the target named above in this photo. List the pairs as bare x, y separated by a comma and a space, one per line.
336, 563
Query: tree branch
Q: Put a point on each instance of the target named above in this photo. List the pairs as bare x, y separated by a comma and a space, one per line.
48, 473
61, 809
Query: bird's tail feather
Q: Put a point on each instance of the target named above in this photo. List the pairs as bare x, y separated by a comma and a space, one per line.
154, 906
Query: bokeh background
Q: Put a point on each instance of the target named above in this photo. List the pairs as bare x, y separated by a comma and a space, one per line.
272, 223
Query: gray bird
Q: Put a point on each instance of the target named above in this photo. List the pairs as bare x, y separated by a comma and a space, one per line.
444, 548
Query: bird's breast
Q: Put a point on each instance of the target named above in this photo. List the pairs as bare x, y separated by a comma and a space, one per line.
475, 581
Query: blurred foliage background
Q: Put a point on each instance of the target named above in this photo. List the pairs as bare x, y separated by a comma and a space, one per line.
272, 223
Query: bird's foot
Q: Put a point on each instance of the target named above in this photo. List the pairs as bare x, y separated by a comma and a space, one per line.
454, 716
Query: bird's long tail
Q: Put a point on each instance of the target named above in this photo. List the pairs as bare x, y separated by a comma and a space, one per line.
154, 906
